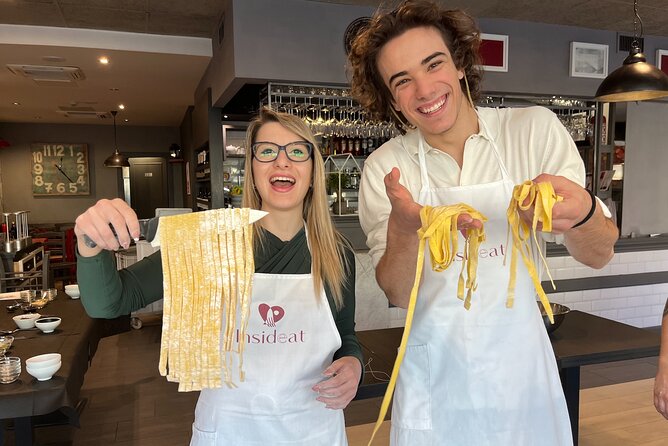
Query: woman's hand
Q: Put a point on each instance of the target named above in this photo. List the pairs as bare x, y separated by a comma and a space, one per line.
95, 223
344, 377
661, 392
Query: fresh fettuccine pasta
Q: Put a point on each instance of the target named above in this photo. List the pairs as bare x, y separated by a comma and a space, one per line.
543, 198
439, 226
207, 262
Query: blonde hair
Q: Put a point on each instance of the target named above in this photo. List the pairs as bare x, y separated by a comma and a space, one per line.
328, 259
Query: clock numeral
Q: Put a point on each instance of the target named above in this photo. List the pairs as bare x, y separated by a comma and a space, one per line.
37, 157
48, 187
38, 169
81, 169
81, 158
73, 188
39, 181
81, 180
60, 188
60, 151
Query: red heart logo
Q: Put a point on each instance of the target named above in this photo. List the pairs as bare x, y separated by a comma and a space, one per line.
271, 315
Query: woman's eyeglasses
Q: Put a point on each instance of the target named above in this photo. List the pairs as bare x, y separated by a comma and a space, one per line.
266, 152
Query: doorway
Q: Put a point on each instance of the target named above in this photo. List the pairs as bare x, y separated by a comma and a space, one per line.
146, 187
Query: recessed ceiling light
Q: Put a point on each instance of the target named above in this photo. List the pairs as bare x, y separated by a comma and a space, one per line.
53, 59
121, 106
104, 60
126, 120
113, 89
225, 116
16, 103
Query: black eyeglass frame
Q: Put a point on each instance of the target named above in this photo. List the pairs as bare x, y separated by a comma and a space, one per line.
284, 148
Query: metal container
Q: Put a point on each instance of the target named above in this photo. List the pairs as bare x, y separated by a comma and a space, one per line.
558, 311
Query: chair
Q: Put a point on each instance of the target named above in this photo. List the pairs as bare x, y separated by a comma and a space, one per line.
60, 246
37, 279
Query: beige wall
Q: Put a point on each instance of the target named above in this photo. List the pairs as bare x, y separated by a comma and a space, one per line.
15, 165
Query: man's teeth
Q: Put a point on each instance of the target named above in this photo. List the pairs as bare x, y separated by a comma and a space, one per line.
433, 108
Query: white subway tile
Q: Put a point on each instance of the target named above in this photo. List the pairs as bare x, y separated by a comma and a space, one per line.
653, 266
573, 296
660, 288
589, 295
626, 313
652, 321
581, 306
555, 262
654, 299
645, 310
610, 293
609, 314
635, 268
659, 255
636, 322
657, 309
635, 301
622, 268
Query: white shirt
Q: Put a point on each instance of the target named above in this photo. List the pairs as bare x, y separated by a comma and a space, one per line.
530, 141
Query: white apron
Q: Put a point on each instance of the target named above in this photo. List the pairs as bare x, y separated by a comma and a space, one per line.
291, 339
486, 376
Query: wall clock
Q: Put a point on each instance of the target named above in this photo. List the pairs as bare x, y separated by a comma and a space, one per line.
60, 169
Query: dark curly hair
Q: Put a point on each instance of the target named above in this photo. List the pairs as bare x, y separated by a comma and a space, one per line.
460, 33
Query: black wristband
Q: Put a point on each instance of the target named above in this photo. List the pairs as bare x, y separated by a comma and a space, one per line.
591, 211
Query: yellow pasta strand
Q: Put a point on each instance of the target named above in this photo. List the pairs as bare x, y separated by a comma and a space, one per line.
207, 261
543, 198
439, 226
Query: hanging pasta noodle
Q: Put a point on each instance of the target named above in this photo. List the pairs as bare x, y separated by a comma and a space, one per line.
207, 262
439, 226
543, 198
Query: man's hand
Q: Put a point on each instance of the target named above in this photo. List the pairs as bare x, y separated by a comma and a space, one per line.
570, 211
405, 214
344, 377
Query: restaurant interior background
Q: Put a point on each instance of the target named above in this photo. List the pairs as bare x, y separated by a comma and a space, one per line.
184, 69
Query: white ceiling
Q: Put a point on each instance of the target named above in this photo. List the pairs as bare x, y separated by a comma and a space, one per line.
156, 82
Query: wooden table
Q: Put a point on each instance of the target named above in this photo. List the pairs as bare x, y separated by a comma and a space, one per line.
582, 339
76, 339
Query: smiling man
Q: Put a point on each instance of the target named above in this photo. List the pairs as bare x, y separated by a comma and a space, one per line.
484, 376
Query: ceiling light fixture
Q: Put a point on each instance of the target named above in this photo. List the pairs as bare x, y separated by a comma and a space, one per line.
117, 159
635, 80
121, 106
103, 60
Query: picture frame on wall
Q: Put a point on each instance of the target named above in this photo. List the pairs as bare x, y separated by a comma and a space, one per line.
494, 52
662, 60
589, 60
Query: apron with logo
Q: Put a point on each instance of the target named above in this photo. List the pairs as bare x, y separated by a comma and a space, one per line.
485, 376
291, 339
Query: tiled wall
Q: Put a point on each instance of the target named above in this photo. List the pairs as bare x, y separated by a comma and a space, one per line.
641, 306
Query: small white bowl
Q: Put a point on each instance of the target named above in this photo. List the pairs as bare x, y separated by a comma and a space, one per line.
44, 360
24, 321
43, 373
47, 324
72, 291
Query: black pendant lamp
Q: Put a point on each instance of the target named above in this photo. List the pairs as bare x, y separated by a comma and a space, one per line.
117, 159
635, 80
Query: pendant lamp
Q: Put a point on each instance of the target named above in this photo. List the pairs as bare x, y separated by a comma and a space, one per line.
635, 80
117, 159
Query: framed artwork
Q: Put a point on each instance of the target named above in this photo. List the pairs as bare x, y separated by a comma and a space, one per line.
589, 60
662, 60
59, 169
494, 52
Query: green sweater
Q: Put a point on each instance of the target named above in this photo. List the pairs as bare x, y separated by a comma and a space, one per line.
109, 293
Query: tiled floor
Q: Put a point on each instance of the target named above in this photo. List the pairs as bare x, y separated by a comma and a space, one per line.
130, 404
